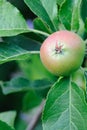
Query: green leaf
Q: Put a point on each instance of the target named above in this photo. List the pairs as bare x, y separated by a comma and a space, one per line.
85, 71
86, 25
69, 14
41, 25
24, 42
18, 84
31, 100
11, 20
46, 10
8, 117
9, 52
83, 9
29, 69
20, 124
4, 126
65, 108
60, 2
81, 30
37, 37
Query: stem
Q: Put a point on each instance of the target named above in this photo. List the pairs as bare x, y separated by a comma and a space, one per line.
34, 52
36, 117
40, 32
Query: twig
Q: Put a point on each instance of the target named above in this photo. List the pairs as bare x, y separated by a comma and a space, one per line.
35, 119
39, 32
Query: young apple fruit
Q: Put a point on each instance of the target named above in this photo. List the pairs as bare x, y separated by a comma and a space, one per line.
78, 77
62, 52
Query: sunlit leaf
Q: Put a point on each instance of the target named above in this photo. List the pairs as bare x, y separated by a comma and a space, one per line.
18, 84
4, 126
65, 108
11, 20
46, 10
8, 117
69, 14
9, 52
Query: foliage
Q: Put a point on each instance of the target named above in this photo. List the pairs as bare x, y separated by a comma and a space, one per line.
31, 83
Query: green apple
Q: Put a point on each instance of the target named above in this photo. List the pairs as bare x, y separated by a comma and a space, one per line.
62, 52
79, 78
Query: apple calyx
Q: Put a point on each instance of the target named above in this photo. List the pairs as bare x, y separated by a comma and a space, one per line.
58, 48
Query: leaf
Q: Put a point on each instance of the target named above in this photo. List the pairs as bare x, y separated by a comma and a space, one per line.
24, 42
46, 10
4, 126
37, 37
31, 100
65, 108
41, 25
18, 84
60, 2
29, 69
20, 124
83, 9
9, 52
8, 117
11, 20
81, 30
86, 25
69, 14
85, 74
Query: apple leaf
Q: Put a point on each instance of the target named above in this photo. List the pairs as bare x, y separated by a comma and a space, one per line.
83, 9
85, 74
81, 30
46, 10
69, 14
31, 96
24, 42
4, 126
86, 25
9, 52
18, 84
8, 117
41, 25
11, 20
29, 69
65, 108
60, 2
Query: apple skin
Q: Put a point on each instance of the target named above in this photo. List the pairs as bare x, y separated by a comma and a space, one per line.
78, 77
62, 52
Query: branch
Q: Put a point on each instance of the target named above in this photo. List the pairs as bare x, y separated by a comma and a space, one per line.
39, 32
36, 117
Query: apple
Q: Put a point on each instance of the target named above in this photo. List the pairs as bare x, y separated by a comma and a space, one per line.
78, 77
62, 52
